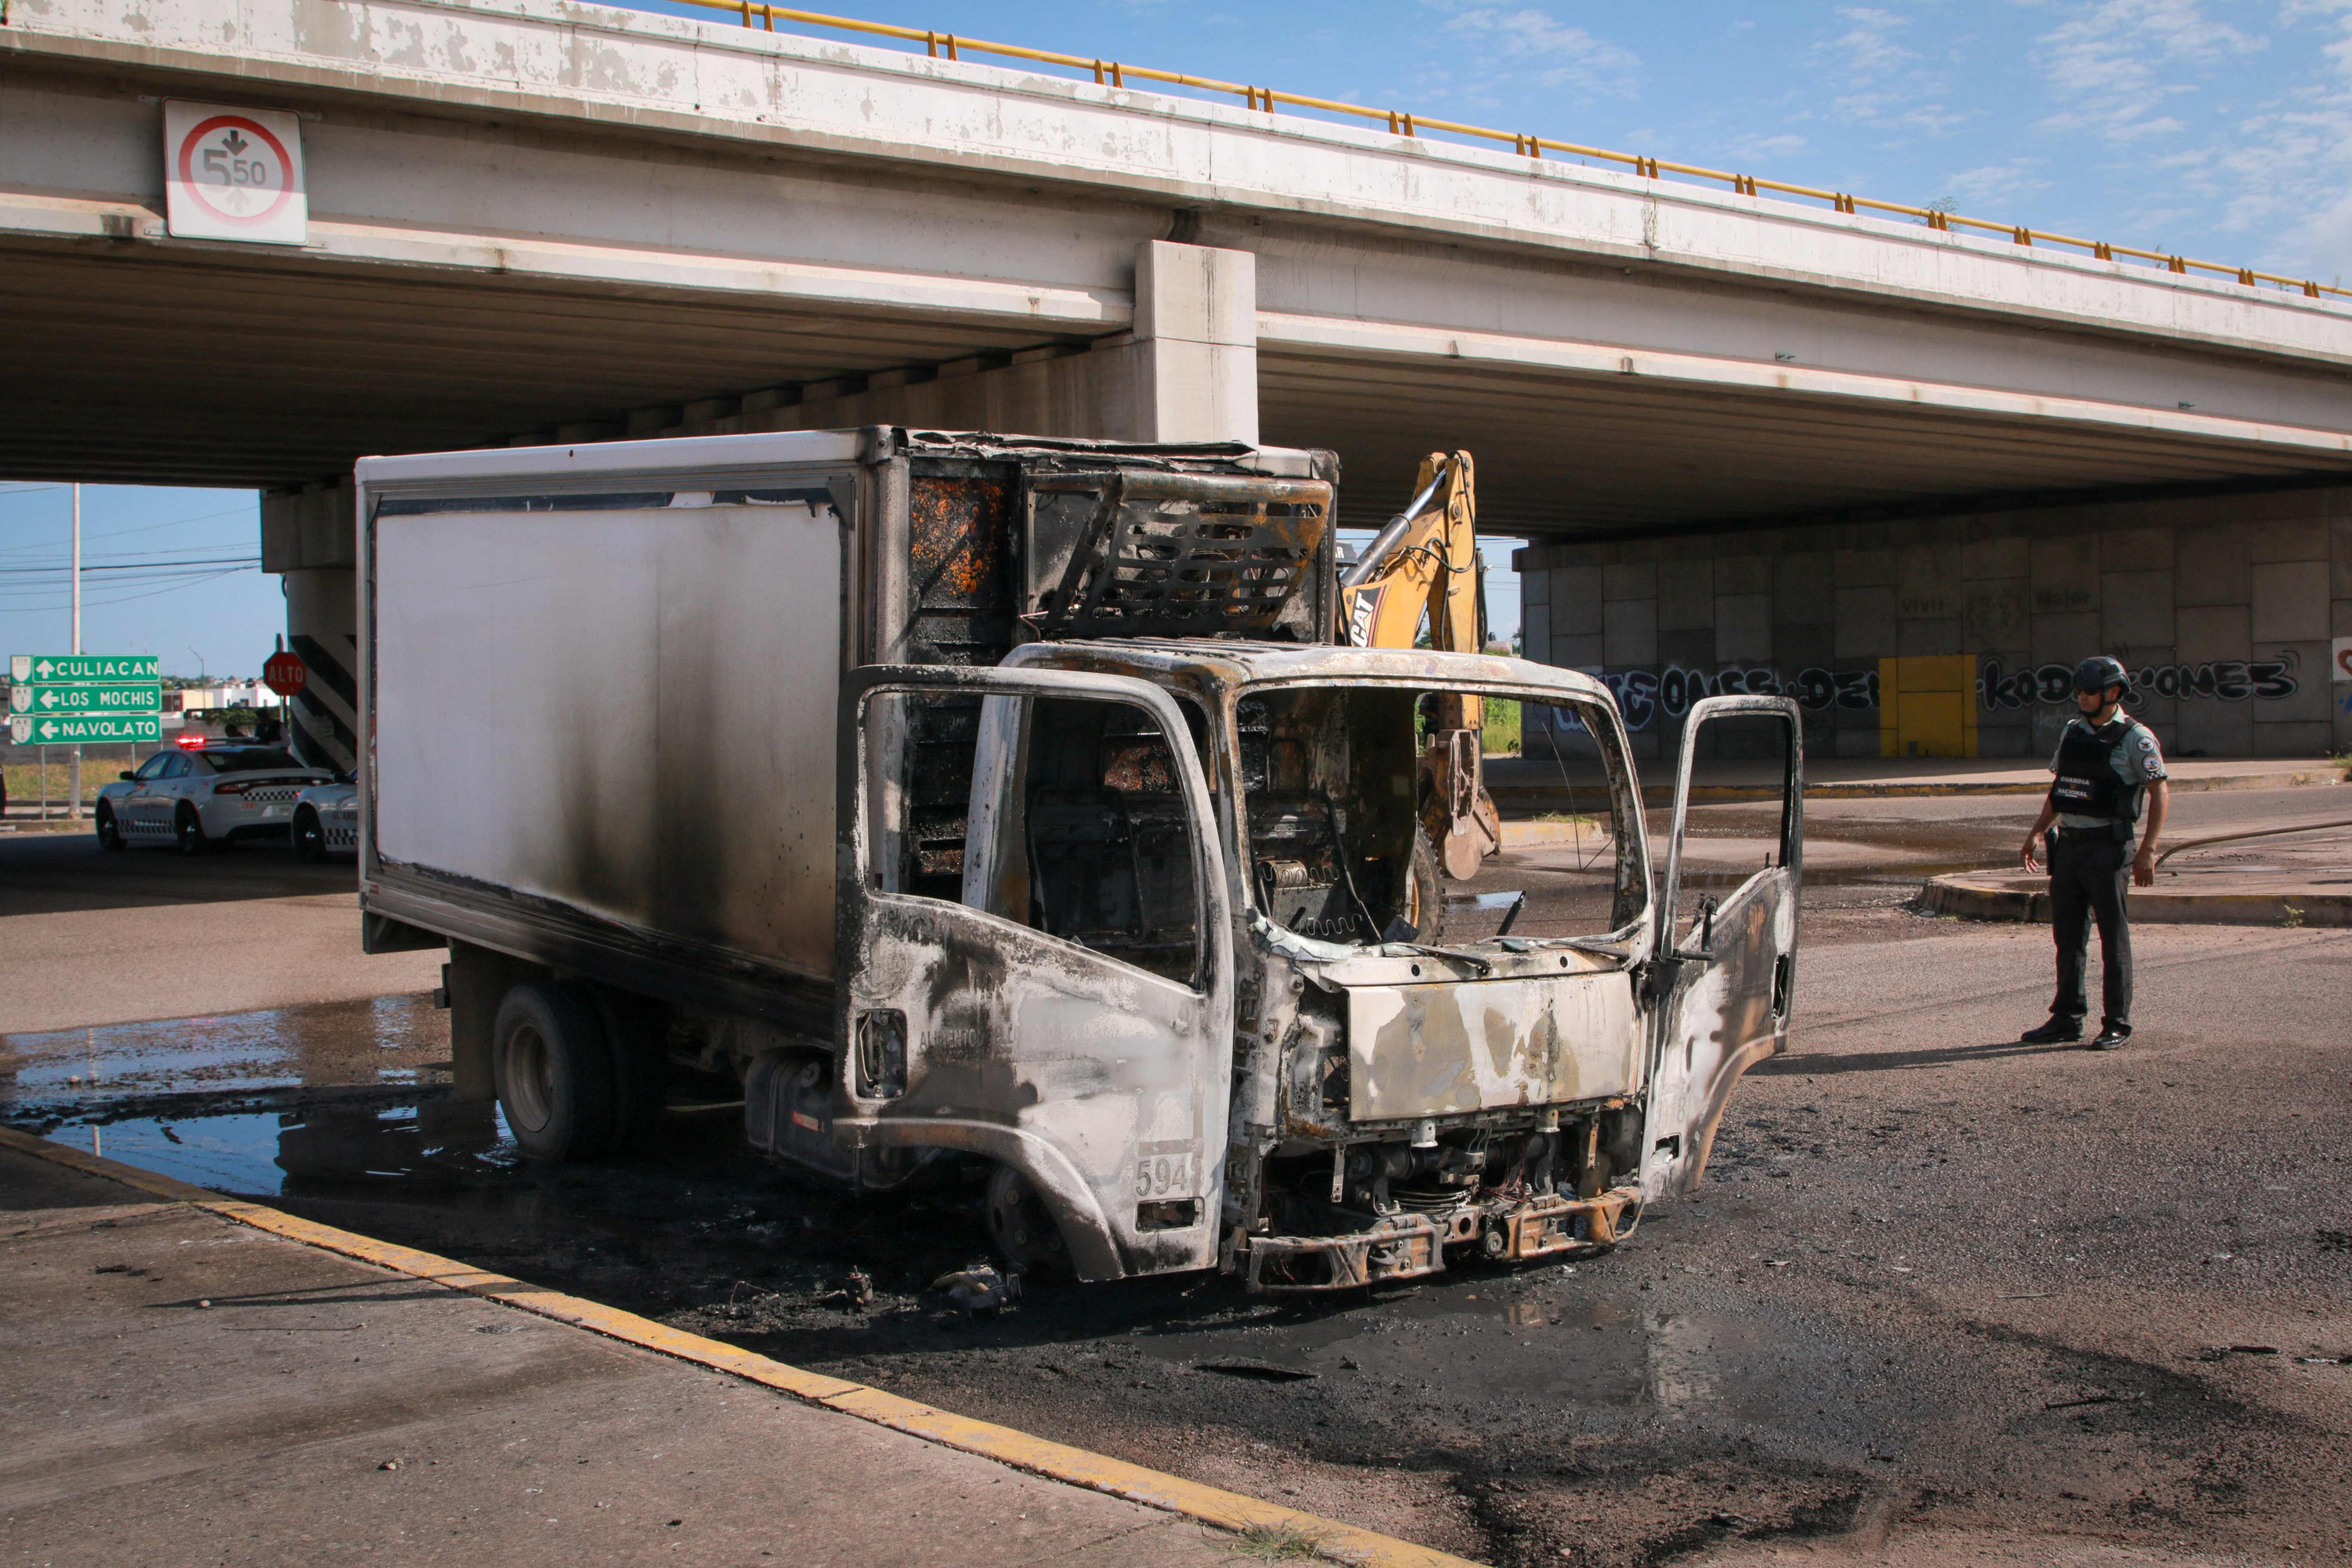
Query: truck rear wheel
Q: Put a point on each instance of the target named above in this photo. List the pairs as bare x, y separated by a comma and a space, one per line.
554, 1072
1022, 1227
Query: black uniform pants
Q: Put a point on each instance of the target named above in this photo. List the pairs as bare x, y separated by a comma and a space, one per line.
2090, 876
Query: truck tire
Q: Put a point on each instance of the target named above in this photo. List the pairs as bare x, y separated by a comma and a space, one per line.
1022, 1227
554, 1071
634, 1030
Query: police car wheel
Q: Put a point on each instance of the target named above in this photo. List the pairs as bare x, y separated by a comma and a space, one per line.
309, 838
109, 832
190, 829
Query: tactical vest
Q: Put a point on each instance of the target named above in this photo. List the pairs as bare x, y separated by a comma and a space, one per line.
2087, 783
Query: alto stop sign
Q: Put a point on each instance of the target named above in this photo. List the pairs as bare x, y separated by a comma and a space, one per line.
286, 673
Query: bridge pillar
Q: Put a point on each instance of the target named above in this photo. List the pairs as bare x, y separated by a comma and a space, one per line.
1195, 351
308, 537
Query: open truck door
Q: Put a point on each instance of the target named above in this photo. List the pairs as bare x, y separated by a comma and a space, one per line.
1723, 968
1038, 968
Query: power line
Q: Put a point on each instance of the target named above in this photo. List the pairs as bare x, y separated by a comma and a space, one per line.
143, 528
119, 599
131, 566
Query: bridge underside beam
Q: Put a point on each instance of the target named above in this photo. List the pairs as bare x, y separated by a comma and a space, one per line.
1578, 449
253, 371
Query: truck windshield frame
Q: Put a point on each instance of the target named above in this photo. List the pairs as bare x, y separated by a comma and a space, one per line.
1264, 817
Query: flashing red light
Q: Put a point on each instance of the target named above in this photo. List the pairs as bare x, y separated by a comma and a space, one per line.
192, 743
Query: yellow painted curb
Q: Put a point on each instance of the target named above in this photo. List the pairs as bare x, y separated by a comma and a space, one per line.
1039, 1456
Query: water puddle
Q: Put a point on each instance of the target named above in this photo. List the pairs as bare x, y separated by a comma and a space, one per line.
305, 1151
379, 1040
1553, 1336
261, 1104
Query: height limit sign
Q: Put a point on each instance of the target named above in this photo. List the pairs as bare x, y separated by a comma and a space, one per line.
233, 173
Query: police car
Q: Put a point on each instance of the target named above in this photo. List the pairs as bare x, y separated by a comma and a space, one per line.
201, 794
327, 821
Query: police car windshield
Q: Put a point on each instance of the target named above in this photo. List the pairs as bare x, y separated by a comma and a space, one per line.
250, 760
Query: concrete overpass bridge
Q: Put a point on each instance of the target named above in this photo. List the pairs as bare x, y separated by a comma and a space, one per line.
1750, 434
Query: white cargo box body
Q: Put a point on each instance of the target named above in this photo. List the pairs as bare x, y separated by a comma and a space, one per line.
600, 684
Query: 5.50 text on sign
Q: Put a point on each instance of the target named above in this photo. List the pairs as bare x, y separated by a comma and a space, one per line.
233, 173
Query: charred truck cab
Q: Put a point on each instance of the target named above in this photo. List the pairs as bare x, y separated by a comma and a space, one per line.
979, 799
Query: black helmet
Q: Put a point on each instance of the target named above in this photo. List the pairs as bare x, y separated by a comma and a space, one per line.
2098, 674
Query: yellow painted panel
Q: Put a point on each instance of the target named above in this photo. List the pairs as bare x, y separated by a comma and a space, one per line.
1931, 724
1927, 706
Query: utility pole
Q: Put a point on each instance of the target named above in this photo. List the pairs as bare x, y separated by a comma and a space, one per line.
73, 775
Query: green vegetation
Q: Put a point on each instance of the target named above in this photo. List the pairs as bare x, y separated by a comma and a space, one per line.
1501, 736
99, 766
2345, 763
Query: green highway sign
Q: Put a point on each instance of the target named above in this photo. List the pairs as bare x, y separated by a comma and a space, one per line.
68, 669
73, 699
80, 730
142, 696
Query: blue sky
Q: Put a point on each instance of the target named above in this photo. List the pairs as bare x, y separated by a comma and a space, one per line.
2216, 128
157, 576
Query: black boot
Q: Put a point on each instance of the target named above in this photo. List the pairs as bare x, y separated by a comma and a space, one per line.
2111, 1036
2056, 1032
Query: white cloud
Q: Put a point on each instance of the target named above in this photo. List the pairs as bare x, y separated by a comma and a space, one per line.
1868, 49
1873, 82
1975, 189
1758, 149
2117, 62
1560, 56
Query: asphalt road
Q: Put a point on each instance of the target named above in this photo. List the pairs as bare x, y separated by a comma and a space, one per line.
88, 938
1944, 1298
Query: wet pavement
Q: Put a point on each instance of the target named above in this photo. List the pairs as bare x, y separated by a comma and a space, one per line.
87, 936
1939, 1286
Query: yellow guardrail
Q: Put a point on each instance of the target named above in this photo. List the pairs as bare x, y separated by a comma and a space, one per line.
1266, 99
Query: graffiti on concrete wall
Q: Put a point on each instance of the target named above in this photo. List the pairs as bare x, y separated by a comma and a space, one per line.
2226, 680
1643, 694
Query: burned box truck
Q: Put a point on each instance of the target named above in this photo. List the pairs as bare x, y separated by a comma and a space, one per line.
1010, 810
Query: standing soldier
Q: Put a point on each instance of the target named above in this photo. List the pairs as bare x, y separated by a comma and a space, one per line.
2107, 761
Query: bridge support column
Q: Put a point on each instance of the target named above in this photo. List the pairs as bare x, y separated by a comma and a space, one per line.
309, 537
1194, 357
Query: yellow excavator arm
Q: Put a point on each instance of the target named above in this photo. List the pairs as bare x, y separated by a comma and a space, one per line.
1424, 563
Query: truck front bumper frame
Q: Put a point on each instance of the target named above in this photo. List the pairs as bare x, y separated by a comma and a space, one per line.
1411, 1246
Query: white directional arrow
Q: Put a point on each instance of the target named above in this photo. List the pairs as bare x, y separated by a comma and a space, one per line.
48, 728
45, 666
49, 698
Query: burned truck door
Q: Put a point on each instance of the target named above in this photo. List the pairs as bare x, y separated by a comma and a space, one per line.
1052, 990
1724, 981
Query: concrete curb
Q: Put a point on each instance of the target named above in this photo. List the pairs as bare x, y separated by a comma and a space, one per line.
1039, 1456
1976, 897
1538, 797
